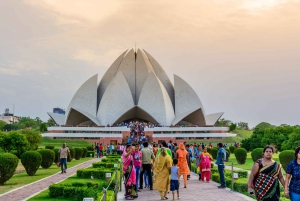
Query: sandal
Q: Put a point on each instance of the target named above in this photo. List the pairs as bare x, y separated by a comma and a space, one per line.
166, 197
129, 198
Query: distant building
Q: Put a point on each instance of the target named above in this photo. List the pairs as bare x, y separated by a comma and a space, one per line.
59, 111
8, 117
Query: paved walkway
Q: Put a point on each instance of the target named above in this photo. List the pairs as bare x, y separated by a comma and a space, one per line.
29, 190
196, 190
235, 168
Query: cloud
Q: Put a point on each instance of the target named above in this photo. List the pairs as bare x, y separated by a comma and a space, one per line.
9, 71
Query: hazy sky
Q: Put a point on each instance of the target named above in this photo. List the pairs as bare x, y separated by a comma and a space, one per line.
242, 57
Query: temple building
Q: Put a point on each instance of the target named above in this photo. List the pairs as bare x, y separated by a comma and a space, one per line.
136, 99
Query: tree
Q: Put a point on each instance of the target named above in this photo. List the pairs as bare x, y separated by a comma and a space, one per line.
15, 141
232, 127
223, 122
293, 140
43, 127
264, 125
2, 124
11, 127
33, 138
277, 136
243, 125
50, 122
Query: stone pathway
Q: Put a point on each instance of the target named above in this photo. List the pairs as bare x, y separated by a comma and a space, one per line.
235, 168
29, 190
196, 190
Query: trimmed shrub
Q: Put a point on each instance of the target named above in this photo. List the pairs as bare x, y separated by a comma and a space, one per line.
227, 155
240, 155
214, 152
286, 157
84, 151
8, 166
72, 153
257, 154
31, 160
49, 147
88, 153
48, 156
97, 173
232, 148
56, 154
90, 148
208, 150
102, 164
78, 153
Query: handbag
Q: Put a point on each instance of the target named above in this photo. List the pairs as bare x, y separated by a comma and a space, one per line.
58, 164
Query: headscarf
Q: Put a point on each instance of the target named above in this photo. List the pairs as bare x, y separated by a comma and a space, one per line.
161, 160
181, 150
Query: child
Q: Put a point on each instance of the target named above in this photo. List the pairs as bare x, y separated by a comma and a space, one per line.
174, 178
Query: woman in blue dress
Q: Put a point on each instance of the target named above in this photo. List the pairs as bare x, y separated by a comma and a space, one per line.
293, 170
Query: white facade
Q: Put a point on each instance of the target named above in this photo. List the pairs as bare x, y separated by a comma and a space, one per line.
135, 87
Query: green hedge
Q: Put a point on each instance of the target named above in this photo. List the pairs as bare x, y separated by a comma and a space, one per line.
77, 190
78, 153
31, 160
88, 153
97, 173
257, 154
48, 157
208, 150
286, 157
110, 195
90, 148
56, 154
84, 151
49, 147
113, 156
240, 155
102, 164
72, 154
214, 153
8, 166
227, 155
232, 148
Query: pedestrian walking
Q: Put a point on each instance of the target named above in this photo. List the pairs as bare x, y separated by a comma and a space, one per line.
63, 154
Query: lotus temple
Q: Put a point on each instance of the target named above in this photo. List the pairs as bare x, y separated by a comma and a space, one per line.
135, 90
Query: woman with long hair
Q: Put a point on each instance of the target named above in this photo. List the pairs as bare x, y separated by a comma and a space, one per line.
182, 156
293, 170
205, 165
162, 167
129, 174
265, 176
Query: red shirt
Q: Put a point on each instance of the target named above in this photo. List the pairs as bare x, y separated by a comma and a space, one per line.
101, 148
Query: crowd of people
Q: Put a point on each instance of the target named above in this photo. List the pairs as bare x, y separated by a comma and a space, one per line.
160, 166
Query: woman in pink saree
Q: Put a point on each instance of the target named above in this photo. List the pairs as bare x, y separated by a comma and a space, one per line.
129, 174
205, 166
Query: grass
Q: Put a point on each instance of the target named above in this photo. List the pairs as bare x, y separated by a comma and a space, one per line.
44, 195
241, 134
22, 179
58, 142
249, 162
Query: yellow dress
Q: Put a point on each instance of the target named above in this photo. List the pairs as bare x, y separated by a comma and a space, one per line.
161, 172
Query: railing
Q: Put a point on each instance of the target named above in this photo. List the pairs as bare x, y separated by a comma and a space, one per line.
118, 183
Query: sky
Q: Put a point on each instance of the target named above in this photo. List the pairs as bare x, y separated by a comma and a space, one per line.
242, 57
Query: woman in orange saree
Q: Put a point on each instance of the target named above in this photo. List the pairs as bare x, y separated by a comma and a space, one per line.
182, 156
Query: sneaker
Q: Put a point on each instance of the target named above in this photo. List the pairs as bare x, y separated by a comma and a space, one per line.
65, 171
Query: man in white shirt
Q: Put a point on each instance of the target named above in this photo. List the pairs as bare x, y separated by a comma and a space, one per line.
63, 154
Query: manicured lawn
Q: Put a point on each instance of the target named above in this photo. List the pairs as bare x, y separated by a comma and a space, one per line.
58, 142
241, 134
44, 195
249, 162
22, 179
